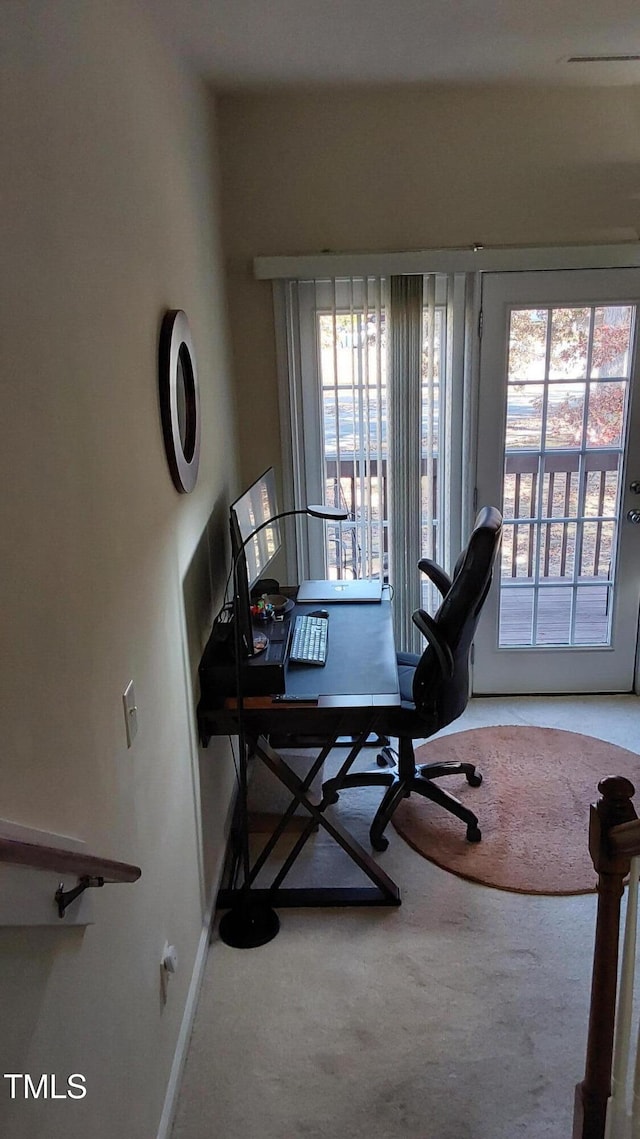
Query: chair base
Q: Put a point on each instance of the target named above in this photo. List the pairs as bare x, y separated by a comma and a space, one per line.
405, 779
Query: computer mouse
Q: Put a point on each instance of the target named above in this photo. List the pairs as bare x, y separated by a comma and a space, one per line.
319, 613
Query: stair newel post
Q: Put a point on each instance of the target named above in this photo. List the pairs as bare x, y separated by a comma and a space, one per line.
613, 808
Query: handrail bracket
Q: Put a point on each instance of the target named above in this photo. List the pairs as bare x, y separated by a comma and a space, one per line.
63, 898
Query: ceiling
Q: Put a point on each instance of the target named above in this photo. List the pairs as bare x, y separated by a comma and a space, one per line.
240, 44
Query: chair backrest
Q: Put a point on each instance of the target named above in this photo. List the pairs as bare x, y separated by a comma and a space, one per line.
442, 699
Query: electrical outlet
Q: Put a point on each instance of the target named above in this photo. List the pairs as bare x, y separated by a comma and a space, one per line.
130, 713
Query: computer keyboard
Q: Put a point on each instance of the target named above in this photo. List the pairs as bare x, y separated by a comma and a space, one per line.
309, 641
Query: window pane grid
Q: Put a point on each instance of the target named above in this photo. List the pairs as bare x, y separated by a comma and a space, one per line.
351, 364
351, 349
580, 611
567, 390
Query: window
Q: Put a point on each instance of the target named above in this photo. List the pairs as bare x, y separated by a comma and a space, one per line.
368, 390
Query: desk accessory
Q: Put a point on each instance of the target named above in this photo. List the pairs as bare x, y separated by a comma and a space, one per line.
251, 922
278, 602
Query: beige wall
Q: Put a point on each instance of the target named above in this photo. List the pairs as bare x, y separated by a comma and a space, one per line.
108, 218
410, 169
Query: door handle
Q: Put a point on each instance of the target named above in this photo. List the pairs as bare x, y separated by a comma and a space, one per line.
633, 516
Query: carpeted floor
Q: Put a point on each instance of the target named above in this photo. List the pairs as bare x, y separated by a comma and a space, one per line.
460, 1015
533, 807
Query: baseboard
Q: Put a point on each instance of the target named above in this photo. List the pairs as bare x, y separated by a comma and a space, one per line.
191, 1003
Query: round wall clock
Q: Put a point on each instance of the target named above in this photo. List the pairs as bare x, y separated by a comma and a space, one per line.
179, 400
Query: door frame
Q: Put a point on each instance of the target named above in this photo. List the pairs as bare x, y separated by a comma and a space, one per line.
486, 468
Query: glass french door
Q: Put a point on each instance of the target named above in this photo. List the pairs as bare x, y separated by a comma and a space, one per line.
558, 451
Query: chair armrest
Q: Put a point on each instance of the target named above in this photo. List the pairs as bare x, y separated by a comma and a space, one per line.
436, 574
429, 629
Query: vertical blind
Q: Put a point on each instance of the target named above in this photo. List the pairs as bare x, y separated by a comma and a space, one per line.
405, 447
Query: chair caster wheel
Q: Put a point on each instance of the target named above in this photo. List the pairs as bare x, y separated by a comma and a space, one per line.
474, 780
380, 843
474, 834
330, 796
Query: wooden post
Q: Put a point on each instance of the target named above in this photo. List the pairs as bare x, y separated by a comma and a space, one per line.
615, 807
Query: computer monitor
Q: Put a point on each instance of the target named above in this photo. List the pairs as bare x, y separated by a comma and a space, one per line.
252, 552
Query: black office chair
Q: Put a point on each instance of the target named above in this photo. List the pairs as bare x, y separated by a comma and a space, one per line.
434, 687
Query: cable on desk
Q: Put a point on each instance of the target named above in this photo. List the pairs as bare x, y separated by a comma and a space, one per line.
227, 605
235, 761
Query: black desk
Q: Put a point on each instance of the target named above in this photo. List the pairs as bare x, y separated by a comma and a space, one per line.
358, 681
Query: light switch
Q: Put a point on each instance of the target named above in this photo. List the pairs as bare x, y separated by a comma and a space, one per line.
130, 713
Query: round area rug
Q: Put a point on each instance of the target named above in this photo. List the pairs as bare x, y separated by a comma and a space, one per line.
532, 807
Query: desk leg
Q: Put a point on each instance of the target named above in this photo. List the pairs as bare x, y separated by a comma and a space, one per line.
288, 814
389, 891
383, 890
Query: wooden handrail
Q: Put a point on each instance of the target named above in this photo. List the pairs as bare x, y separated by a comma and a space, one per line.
19, 853
625, 839
614, 838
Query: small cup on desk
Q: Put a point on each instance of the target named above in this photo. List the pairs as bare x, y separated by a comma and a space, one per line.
277, 602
